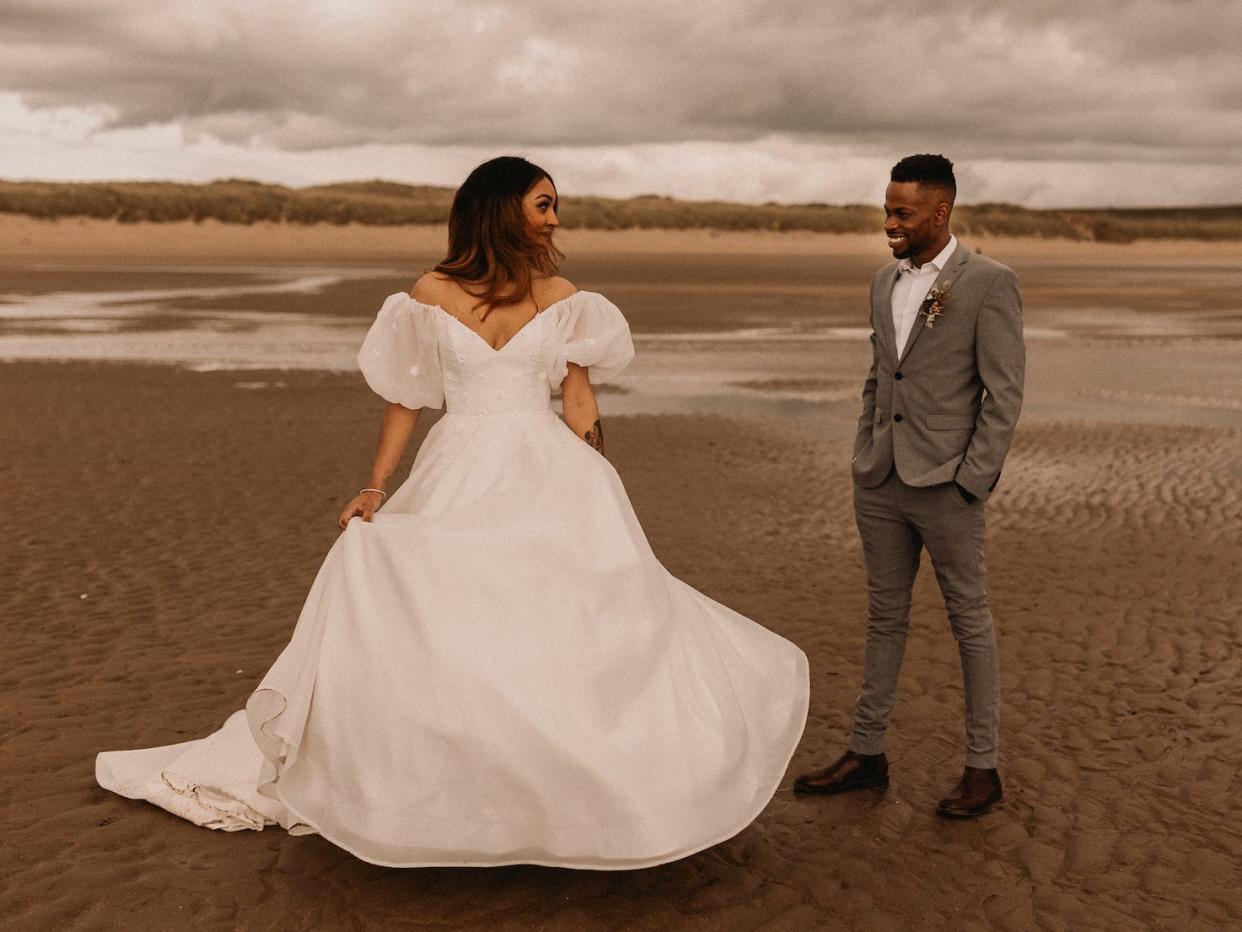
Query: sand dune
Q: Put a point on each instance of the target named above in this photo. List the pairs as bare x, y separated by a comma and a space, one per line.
28, 238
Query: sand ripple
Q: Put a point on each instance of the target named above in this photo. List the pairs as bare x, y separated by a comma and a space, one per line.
164, 527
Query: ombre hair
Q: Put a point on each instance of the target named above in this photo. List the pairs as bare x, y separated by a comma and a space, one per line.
492, 251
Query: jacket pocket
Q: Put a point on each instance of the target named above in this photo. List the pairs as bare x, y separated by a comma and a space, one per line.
951, 421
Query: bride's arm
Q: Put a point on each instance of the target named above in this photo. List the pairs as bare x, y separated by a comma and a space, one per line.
395, 432
581, 410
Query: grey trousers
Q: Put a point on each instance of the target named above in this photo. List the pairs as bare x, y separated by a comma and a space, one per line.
895, 522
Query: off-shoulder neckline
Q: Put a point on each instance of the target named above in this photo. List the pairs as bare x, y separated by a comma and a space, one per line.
414, 300
495, 349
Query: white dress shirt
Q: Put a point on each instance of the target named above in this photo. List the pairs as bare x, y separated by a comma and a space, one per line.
911, 288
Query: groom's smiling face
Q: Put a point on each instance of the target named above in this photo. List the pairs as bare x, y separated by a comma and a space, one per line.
916, 220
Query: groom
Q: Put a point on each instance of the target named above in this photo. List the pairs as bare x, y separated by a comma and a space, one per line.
939, 408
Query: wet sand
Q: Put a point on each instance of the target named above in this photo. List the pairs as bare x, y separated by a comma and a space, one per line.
667, 280
164, 526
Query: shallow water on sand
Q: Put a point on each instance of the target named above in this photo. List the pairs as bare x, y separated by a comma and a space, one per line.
742, 352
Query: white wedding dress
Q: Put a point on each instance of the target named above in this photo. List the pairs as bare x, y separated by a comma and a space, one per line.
497, 669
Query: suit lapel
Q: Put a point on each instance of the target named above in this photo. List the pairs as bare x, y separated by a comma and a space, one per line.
884, 308
944, 281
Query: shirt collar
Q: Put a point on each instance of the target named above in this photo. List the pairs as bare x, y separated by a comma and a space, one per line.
938, 263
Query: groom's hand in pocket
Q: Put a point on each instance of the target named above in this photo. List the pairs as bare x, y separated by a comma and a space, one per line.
967, 496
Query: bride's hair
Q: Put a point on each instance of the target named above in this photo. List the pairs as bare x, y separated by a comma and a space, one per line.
493, 252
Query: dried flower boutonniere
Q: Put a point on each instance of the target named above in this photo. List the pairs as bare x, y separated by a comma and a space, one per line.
933, 305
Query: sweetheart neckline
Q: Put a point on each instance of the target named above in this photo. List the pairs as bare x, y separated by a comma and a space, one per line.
479, 336
495, 349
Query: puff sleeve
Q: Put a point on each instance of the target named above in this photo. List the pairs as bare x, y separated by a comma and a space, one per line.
400, 357
590, 332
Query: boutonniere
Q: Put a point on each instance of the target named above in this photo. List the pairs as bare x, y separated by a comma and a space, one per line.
933, 305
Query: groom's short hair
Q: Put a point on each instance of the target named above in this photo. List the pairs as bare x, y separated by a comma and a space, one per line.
929, 171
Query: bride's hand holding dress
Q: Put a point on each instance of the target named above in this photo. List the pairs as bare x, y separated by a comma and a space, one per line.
363, 505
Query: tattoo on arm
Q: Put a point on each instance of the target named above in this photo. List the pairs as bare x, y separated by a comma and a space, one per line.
595, 437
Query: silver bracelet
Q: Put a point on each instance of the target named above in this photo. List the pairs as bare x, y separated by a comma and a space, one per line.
383, 494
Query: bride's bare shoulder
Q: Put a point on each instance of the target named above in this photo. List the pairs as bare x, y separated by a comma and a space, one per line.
552, 289
432, 288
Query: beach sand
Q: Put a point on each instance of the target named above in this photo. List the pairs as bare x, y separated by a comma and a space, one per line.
163, 527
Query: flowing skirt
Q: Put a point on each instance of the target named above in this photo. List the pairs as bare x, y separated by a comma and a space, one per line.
498, 670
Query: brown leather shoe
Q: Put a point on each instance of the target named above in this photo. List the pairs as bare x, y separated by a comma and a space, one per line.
974, 794
850, 771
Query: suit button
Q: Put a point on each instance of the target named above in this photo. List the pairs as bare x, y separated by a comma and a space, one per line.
897, 418
897, 376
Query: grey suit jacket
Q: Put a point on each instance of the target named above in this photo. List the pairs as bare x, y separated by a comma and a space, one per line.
944, 408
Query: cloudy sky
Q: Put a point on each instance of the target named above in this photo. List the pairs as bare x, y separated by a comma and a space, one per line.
1041, 102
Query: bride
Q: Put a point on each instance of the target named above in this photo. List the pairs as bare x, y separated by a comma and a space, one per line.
493, 667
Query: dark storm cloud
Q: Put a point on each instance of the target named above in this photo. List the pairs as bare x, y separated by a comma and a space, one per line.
1133, 79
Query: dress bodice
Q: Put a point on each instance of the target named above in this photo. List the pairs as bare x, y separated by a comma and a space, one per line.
481, 380
419, 355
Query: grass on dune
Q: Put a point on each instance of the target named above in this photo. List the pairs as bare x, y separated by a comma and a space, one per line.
386, 203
